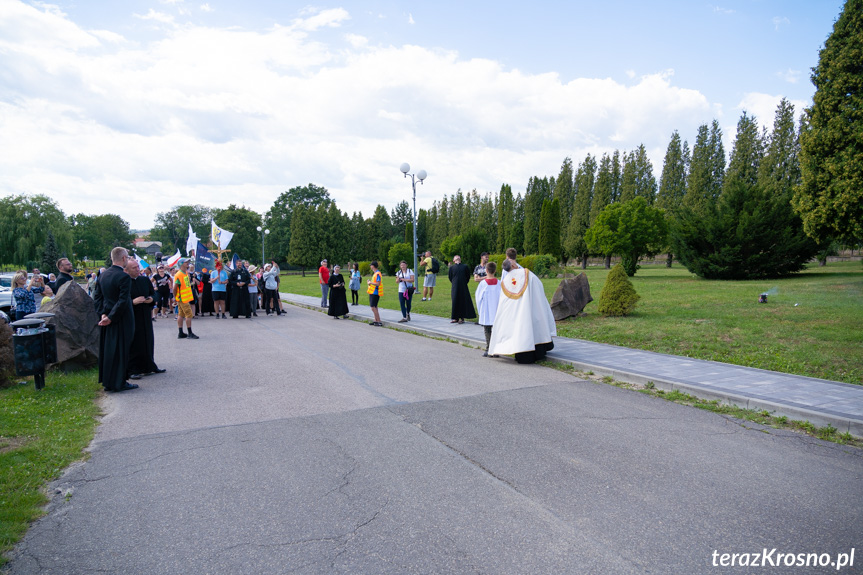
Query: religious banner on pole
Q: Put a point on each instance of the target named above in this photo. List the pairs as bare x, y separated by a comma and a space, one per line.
191, 242
221, 238
204, 260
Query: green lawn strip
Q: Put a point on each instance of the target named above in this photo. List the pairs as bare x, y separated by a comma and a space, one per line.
41, 433
763, 417
681, 314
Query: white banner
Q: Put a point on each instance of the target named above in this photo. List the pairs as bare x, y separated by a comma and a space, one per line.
192, 242
221, 237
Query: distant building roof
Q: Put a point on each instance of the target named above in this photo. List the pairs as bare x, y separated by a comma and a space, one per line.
143, 244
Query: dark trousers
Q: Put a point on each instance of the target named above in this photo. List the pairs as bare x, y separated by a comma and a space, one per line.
405, 303
355, 296
487, 329
271, 299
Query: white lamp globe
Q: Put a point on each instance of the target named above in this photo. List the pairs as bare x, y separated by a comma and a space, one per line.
405, 168
259, 228
422, 175
267, 232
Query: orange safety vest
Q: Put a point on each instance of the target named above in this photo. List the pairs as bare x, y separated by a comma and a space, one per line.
376, 289
182, 280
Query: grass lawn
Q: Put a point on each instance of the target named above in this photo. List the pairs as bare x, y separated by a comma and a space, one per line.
41, 433
681, 314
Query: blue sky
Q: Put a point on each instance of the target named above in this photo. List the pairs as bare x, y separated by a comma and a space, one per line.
133, 107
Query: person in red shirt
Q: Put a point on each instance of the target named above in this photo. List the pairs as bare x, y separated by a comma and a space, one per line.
324, 278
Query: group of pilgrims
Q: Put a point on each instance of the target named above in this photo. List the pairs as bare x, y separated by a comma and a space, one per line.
514, 311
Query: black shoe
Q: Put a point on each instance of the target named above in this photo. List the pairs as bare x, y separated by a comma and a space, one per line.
135, 376
254, 314
223, 316
193, 336
182, 335
344, 317
157, 370
485, 354
336, 317
127, 386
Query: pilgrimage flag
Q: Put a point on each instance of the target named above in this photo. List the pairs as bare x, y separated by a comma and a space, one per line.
172, 261
192, 242
234, 261
141, 261
220, 237
204, 260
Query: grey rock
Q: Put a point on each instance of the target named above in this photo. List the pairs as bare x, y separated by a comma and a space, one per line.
570, 297
77, 329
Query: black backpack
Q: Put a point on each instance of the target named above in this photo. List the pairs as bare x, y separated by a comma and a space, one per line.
435, 267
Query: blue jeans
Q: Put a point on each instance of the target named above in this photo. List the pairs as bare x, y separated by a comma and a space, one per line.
325, 291
405, 303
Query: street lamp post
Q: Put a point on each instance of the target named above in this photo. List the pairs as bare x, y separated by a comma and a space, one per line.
420, 175
264, 234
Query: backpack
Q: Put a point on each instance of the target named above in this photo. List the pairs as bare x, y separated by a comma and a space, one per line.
435, 267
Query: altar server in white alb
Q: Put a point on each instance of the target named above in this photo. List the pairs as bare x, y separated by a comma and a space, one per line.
523, 324
487, 299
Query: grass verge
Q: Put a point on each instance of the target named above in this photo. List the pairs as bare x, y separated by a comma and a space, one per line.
809, 326
41, 433
763, 417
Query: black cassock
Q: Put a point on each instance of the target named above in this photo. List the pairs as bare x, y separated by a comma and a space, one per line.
462, 305
112, 297
207, 295
240, 294
141, 353
338, 297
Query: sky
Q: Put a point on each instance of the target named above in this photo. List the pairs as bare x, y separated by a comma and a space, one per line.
137, 106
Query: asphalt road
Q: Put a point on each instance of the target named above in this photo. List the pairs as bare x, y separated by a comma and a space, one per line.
308, 445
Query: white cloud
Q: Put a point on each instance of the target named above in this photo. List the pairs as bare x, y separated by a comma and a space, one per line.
630, 74
205, 8
156, 16
215, 116
411, 19
780, 21
721, 10
790, 76
763, 107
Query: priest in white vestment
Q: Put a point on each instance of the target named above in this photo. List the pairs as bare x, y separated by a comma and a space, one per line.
523, 324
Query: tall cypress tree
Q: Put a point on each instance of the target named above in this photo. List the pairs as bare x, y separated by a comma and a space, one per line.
672, 183
537, 191
580, 221
603, 193
50, 254
627, 184
645, 181
505, 216
830, 198
747, 234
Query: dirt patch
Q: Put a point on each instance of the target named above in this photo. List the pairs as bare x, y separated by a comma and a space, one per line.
8, 444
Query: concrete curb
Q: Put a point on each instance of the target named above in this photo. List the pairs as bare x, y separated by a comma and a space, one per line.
775, 407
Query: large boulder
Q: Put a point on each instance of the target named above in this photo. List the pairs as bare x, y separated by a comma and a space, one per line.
77, 329
570, 297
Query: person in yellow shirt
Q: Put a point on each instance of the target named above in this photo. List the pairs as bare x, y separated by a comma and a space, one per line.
184, 297
375, 291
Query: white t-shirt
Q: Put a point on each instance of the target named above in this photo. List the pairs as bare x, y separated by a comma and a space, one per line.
408, 275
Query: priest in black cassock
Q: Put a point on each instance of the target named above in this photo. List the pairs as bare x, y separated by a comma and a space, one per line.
114, 308
462, 305
338, 295
141, 355
206, 299
239, 282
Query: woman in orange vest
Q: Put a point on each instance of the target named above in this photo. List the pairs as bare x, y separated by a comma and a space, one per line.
183, 296
376, 290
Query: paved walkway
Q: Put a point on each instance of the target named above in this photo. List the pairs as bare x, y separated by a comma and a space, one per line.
819, 401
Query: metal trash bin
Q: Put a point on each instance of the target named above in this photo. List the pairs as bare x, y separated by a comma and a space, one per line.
49, 336
29, 350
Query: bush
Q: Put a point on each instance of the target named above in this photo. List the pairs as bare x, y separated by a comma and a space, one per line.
7, 359
365, 270
401, 252
541, 265
618, 297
